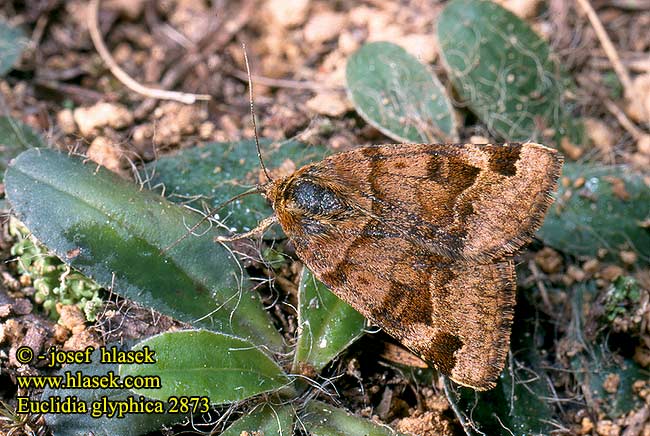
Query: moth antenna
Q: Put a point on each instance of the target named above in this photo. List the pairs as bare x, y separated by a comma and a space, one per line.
250, 98
255, 190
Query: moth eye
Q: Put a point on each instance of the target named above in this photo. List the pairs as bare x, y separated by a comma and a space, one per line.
315, 198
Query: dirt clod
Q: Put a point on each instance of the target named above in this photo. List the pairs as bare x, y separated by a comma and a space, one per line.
549, 260
607, 428
106, 153
91, 119
611, 383
323, 26
332, 104
428, 423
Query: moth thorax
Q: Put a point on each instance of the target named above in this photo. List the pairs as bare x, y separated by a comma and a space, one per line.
314, 198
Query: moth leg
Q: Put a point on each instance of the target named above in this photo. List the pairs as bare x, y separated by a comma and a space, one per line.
261, 227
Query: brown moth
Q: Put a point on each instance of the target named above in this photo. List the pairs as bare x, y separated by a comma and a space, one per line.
420, 239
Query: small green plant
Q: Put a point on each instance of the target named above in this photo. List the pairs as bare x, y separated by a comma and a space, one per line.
274, 258
622, 294
54, 281
613, 85
595, 360
14, 423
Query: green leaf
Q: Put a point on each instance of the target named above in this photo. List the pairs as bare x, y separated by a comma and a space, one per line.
320, 419
76, 424
218, 171
12, 44
14, 138
398, 95
592, 368
327, 324
505, 410
503, 70
587, 218
510, 408
202, 363
267, 420
115, 233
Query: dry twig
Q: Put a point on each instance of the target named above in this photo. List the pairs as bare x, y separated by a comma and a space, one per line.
636, 421
623, 120
537, 275
608, 46
637, 65
122, 76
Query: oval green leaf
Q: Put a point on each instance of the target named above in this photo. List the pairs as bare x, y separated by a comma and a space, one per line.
503, 70
12, 44
267, 420
83, 424
217, 171
320, 419
327, 325
608, 208
202, 363
398, 95
115, 233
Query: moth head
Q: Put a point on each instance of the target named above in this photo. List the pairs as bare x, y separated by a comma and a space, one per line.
304, 202
303, 194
